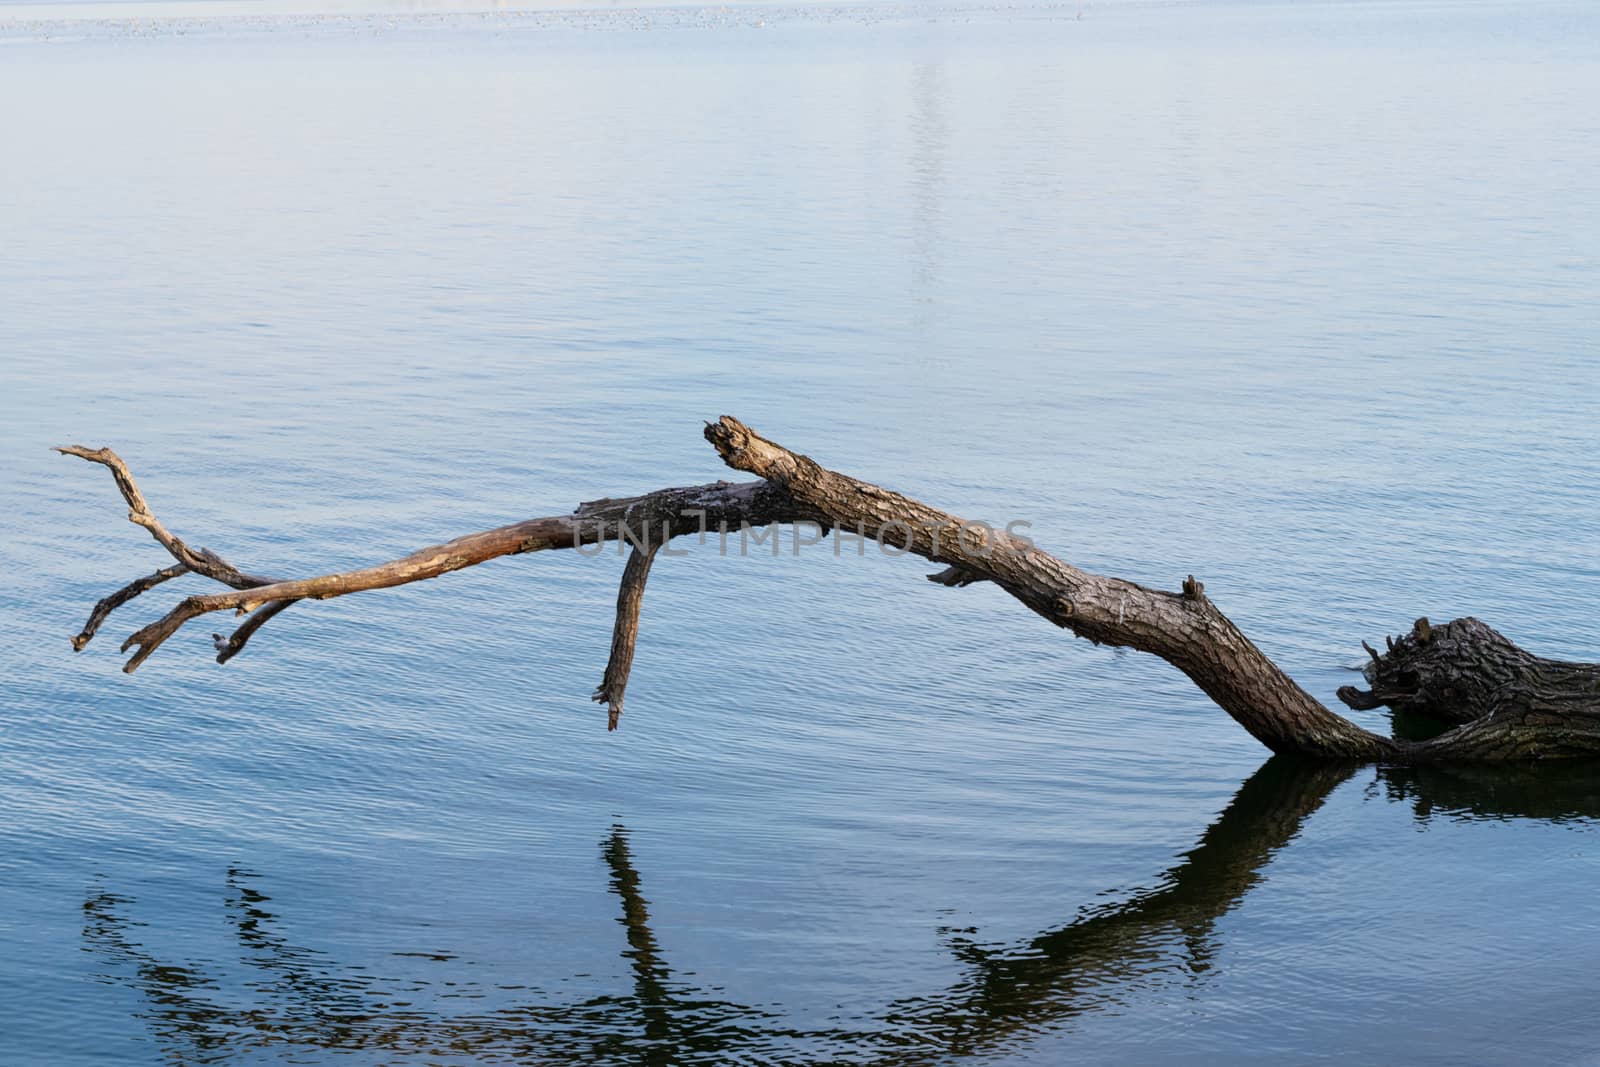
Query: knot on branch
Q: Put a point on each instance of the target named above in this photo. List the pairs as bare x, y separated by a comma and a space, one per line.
1454, 672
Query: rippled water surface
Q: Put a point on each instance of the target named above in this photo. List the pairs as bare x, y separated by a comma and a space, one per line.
1297, 298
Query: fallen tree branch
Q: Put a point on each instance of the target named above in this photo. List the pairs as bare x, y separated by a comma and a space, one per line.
1556, 713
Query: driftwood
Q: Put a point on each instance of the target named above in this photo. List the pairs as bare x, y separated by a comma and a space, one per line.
1506, 704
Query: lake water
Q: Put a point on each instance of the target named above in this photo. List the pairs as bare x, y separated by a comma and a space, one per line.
1299, 298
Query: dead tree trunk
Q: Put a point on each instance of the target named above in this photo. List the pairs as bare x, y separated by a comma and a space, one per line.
1509, 704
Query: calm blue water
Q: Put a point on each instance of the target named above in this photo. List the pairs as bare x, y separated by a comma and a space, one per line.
1297, 298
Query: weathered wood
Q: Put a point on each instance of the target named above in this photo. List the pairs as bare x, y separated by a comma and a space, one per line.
200, 561
1506, 703
1509, 704
1183, 628
107, 605
626, 634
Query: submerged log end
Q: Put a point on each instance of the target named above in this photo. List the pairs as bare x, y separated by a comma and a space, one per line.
1456, 672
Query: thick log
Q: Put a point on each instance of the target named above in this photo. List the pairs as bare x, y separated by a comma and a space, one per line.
1184, 628
1509, 704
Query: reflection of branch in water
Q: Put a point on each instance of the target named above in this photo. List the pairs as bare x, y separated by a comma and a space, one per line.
303, 998
1084, 965
1554, 791
300, 990
178, 1010
675, 1022
649, 970
299, 997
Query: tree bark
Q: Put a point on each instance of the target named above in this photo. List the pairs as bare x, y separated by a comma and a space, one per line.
1506, 703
